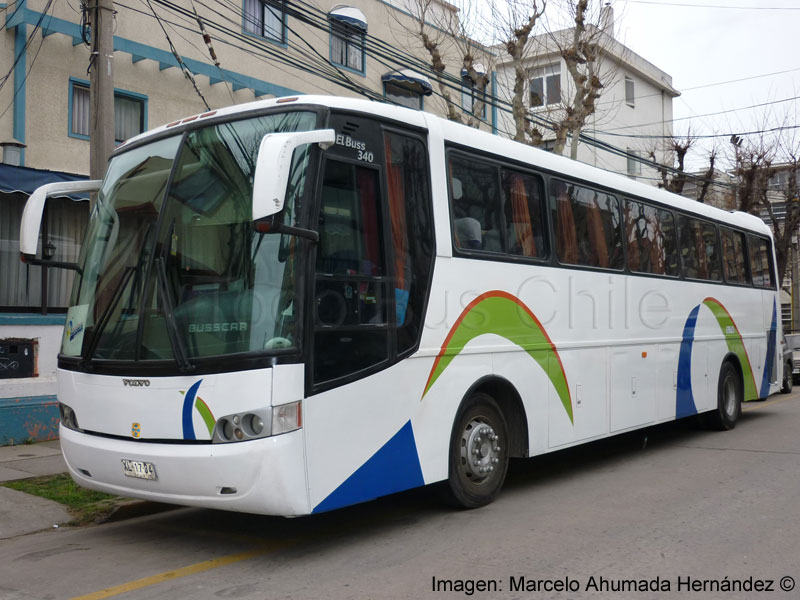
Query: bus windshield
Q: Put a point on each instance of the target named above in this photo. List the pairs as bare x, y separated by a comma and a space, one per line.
172, 267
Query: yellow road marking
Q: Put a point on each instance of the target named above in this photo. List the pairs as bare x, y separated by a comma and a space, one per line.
177, 573
754, 406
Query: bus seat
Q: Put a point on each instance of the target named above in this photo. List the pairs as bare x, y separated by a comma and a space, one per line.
468, 231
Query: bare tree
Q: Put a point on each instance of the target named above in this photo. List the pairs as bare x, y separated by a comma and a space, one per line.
448, 38
446, 33
766, 171
581, 54
581, 46
515, 21
675, 176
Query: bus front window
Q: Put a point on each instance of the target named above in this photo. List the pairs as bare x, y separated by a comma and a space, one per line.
197, 279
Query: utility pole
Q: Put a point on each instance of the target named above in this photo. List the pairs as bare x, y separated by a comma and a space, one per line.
795, 288
101, 88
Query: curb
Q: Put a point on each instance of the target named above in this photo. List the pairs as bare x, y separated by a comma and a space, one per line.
136, 508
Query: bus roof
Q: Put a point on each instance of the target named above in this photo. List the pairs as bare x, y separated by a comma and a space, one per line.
487, 142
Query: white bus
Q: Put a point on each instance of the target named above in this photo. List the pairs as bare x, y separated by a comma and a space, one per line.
300, 304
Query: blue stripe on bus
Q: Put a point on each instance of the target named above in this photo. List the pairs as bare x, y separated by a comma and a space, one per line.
771, 342
393, 468
684, 399
188, 406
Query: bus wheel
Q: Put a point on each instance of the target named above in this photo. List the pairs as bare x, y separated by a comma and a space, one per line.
478, 453
729, 399
788, 381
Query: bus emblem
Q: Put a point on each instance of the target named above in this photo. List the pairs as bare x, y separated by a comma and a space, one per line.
136, 430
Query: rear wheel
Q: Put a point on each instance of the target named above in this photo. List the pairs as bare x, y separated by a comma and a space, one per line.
788, 380
478, 453
729, 399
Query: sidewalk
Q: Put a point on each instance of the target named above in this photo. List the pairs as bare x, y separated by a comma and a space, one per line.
21, 513
31, 460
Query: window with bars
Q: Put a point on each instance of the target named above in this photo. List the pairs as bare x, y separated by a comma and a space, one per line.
129, 113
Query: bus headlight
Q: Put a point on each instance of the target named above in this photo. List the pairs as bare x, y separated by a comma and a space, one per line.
68, 417
255, 424
240, 427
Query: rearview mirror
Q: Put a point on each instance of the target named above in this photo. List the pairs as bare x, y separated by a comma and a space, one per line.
32, 217
273, 165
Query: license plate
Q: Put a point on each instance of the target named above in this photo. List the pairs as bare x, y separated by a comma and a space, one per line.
139, 469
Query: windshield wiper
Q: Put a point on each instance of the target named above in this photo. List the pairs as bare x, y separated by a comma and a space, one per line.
175, 339
102, 323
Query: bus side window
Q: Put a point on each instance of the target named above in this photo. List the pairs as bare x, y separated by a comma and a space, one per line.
760, 264
411, 233
587, 226
475, 201
651, 239
699, 249
733, 260
524, 213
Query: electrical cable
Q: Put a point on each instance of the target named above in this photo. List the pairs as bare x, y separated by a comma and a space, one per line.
384, 53
188, 74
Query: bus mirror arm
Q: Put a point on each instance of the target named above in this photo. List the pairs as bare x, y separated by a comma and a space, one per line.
31, 223
274, 165
56, 264
270, 225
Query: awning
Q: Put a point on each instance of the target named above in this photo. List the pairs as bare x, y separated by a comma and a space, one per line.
350, 16
411, 80
25, 180
481, 69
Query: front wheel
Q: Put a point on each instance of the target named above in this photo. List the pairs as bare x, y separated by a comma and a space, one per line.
729, 399
478, 453
788, 379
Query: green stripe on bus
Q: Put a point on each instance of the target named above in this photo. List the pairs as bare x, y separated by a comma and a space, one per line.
735, 344
504, 315
205, 412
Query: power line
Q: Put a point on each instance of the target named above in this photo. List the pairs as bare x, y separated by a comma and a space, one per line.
685, 5
504, 106
177, 56
708, 85
384, 53
721, 112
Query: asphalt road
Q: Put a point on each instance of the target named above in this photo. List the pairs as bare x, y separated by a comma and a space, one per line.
694, 514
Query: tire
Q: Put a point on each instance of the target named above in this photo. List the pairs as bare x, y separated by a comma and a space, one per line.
729, 399
788, 380
478, 453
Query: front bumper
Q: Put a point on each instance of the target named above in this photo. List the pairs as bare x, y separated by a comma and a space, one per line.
268, 474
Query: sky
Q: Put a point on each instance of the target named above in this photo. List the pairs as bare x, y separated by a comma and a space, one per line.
700, 42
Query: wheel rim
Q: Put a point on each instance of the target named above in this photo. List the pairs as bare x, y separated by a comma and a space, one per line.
480, 451
729, 402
